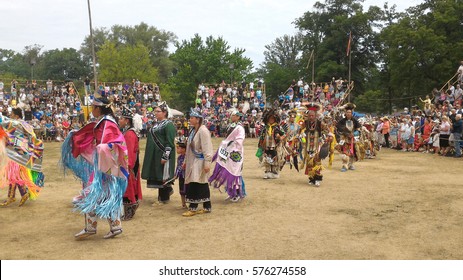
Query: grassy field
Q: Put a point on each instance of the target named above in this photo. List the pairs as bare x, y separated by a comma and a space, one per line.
397, 206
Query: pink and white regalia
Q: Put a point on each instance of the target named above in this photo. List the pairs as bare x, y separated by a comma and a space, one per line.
97, 154
229, 167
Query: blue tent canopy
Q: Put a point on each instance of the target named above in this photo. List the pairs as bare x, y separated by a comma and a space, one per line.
358, 115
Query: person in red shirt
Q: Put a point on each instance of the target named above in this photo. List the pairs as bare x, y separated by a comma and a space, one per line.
133, 193
427, 129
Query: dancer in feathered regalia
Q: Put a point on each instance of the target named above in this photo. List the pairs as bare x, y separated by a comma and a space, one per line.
293, 142
20, 159
97, 155
133, 194
347, 128
311, 132
230, 158
367, 137
269, 148
331, 139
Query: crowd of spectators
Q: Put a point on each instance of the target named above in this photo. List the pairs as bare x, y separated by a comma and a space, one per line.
217, 100
53, 109
435, 127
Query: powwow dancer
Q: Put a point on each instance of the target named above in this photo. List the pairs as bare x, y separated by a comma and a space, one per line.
293, 141
198, 160
331, 128
347, 128
133, 194
311, 132
20, 159
367, 137
98, 157
269, 140
230, 158
159, 162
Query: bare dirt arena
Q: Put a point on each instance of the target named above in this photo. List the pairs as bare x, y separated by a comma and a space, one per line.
397, 206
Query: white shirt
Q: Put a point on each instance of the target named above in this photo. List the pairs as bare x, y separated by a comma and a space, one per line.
444, 126
460, 70
87, 100
458, 93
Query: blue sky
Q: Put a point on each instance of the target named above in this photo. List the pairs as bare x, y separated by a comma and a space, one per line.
248, 24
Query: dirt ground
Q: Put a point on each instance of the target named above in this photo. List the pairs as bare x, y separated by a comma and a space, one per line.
397, 206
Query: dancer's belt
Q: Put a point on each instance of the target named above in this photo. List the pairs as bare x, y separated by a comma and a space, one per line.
198, 155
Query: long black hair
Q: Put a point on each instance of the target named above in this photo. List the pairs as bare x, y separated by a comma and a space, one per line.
106, 108
18, 112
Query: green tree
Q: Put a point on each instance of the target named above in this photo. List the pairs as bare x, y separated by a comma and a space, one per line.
124, 63
21, 64
12, 64
209, 61
422, 49
156, 41
100, 36
283, 63
327, 30
62, 64
371, 102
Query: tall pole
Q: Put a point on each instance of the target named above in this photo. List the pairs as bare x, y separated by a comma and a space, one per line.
349, 54
311, 59
232, 66
313, 67
32, 63
93, 45
348, 85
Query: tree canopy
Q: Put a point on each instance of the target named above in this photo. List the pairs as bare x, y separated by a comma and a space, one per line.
209, 61
395, 57
125, 63
154, 40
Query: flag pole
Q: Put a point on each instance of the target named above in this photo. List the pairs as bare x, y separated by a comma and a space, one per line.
349, 53
93, 46
313, 66
311, 59
93, 59
350, 63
